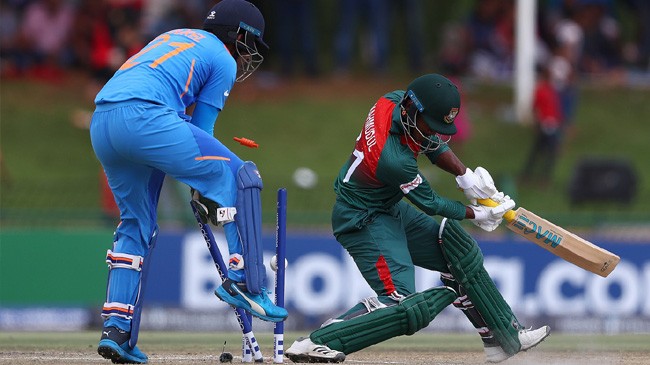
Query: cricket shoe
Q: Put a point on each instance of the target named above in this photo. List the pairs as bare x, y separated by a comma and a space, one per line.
259, 305
114, 345
304, 350
528, 339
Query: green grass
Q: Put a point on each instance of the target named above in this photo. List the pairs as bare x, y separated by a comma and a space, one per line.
53, 179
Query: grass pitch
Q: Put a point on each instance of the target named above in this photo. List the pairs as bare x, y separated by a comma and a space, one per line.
422, 348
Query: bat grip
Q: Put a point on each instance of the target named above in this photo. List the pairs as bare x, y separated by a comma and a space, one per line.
509, 216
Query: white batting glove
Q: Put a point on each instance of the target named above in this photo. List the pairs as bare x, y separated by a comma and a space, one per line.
476, 184
501, 198
489, 218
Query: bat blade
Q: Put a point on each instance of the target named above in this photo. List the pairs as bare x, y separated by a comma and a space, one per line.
562, 243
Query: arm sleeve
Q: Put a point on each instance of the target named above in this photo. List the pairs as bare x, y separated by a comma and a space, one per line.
205, 116
406, 176
431, 203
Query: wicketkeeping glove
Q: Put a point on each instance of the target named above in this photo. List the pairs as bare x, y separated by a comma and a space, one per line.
476, 184
489, 218
207, 208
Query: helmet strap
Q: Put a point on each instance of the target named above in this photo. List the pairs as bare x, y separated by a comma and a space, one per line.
408, 116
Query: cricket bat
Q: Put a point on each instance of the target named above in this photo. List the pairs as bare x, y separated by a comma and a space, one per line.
558, 240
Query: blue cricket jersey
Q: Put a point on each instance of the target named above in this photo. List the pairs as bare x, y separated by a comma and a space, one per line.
176, 69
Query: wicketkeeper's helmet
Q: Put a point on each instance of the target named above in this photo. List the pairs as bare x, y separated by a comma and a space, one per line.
231, 18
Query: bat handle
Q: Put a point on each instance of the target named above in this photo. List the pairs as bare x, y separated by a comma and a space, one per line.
509, 216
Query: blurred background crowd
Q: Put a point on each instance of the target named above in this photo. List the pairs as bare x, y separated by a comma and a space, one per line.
46, 38
600, 43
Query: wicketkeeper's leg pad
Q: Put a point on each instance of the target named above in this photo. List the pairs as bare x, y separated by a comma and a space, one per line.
249, 225
465, 261
383, 322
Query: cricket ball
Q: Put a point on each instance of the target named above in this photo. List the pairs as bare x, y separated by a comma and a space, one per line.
274, 263
305, 178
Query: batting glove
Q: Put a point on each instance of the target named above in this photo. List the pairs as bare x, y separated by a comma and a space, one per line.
476, 184
489, 218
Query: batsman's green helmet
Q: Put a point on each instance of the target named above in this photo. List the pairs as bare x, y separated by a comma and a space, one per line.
438, 100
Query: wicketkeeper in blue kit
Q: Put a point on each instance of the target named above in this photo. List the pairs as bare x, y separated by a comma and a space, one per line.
140, 134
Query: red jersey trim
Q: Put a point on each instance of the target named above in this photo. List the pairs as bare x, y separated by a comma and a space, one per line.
374, 136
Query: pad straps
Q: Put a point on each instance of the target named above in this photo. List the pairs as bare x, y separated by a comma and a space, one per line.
124, 261
117, 309
413, 313
465, 262
467, 307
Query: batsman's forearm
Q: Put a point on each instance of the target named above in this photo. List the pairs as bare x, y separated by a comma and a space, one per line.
449, 162
469, 213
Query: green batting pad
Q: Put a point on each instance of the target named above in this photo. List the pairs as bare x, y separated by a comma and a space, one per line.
466, 265
409, 316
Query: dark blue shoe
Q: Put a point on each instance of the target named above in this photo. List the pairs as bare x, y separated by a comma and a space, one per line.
258, 305
110, 348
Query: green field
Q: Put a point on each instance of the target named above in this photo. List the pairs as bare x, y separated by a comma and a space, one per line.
421, 348
52, 177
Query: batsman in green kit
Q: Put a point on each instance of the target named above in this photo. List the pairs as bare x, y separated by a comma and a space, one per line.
388, 236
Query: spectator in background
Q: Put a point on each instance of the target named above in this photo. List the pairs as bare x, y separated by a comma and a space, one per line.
104, 36
490, 34
566, 50
9, 27
602, 39
295, 36
413, 13
455, 49
159, 16
43, 38
637, 50
547, 112
375, 39
110, 210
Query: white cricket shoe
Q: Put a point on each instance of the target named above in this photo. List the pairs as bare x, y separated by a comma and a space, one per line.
304, 350
528, 339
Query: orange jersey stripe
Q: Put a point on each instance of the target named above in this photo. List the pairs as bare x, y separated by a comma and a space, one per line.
189, 78
202, 158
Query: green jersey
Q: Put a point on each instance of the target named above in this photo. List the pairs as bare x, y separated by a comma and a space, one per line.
383, 169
